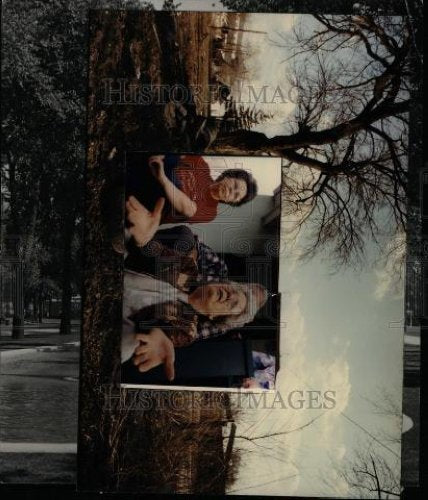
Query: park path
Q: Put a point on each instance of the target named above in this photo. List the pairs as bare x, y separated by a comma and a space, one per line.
39, 378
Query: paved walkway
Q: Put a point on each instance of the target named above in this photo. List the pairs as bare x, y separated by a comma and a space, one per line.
39, 377
37, 335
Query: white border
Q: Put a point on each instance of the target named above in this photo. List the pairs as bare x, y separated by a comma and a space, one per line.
236, 390
198, 389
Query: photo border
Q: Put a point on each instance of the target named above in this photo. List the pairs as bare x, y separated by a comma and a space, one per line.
89, 436
279, 242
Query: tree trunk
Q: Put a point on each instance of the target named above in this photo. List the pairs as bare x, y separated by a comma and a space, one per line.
40, 308
18, 302
34, 308
65, 326
17, 270
27, 305
17, 327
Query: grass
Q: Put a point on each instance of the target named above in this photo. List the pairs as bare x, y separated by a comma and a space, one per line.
177, 449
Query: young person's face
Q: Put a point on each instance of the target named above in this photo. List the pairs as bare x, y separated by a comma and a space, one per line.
218, 299
229, 190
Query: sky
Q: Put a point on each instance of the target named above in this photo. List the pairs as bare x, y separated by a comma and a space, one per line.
341, 331
338, 334
270, 71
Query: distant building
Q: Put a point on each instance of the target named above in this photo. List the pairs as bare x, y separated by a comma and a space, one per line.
412, 365
413, 293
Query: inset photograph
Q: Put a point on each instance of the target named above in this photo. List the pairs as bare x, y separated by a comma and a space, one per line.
200, 288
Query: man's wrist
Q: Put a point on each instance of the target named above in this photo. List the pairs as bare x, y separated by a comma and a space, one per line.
141, 244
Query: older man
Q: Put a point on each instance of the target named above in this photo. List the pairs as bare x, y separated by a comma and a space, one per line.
171, 307
158, 316
173, 255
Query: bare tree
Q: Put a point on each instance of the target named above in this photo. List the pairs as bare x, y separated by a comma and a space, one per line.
387, 405
373, 468
370, 475
281, 433
346, 144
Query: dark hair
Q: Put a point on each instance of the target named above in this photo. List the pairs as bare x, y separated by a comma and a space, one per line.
238, 173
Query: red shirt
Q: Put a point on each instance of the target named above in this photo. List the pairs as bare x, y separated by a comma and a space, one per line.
194, 177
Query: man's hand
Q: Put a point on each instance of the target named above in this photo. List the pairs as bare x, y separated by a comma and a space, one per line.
156, 164
155, 348
144, 223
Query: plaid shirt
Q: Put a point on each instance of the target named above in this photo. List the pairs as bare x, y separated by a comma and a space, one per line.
207, 329
210, 266
182, 271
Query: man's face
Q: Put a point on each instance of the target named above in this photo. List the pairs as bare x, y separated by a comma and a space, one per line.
230, 190
218, 299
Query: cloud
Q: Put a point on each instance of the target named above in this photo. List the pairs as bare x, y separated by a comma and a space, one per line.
339, 486
293, 338
322, 374
295, 452
333, 375
390, 271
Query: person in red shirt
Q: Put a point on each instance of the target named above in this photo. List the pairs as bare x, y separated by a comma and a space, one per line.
191, 194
